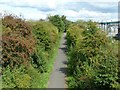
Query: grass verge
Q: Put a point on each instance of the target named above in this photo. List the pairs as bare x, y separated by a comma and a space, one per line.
45, 76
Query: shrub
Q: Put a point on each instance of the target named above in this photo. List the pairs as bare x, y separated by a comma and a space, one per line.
25, 52
16, 24
17, 41
39, 61
58, 21
16, 78
92, 63
17, 47
46, 36
35, 76
74, 34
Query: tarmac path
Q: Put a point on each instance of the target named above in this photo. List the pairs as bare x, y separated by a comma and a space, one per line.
57, 78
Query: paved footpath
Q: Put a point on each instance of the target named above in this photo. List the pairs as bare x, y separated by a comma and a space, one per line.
57, 78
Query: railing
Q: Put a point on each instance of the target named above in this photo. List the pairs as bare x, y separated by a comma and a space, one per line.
111, 28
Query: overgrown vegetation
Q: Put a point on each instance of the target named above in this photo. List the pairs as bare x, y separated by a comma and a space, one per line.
28, 50
93, 61
47, 37
60, 22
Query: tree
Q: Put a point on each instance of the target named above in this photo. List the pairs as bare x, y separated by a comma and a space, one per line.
57, 21
66, 22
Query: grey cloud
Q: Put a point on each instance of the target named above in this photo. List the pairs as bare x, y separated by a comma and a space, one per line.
76, 6
39, 8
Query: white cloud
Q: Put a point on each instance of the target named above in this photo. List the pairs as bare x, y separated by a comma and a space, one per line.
61, 1
104, 4
34, 13
87, 14
84, 12
70, 13
26, 12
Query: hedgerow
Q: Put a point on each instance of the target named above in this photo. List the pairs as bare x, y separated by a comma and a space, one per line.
74, 34
26, 50
92, 62
46, 36
17, 41
57, 21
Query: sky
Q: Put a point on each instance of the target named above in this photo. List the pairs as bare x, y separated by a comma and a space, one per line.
96, 10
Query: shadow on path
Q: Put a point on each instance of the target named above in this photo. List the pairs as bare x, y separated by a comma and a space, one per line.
57, 78
63, 70
64, 49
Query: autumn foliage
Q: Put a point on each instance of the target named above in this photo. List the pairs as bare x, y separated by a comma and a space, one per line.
27, 49
17, 41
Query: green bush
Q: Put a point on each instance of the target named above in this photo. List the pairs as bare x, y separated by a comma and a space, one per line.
26, 51
46, 36
17, 42
35, 76
92, 62
16, 78
58, 21
74, 34
39, 61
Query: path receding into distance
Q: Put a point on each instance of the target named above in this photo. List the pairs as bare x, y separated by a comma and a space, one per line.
57, 78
